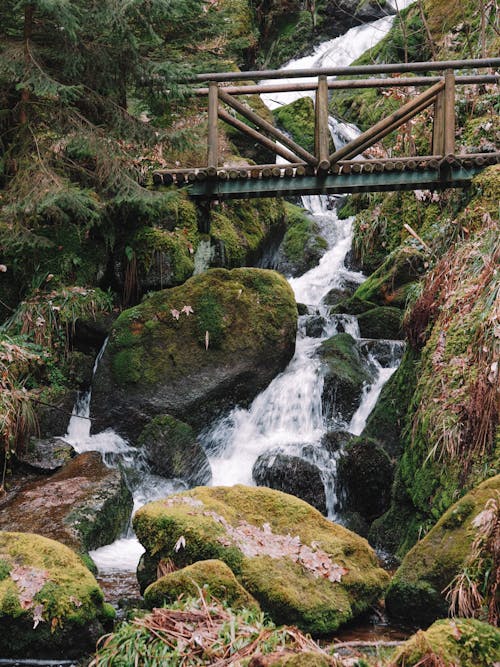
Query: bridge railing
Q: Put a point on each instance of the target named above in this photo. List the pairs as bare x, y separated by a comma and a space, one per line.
223, 89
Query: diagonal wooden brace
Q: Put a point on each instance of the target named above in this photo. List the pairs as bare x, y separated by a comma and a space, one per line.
267, 127
387, 125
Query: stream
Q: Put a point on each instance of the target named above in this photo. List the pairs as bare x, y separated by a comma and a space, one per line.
288, 415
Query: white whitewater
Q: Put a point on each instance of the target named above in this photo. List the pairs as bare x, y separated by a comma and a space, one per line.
288, 414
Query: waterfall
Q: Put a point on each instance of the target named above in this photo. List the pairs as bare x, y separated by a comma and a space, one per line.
288, 414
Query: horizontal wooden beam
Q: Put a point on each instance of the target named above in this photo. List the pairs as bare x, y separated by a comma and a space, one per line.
332, 184
342, 84
395, 68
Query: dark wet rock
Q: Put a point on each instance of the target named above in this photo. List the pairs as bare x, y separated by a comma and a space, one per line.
50, 604
54, 413
85, 505
354, 521
89, 335
381, 322
338, 294
334, 441
46, 455
315, 325
293, 475
364, 477
172, 451
80, 369
196, 350
341, 15
302, 309
352, 306
352, 262
346, 371
387, 352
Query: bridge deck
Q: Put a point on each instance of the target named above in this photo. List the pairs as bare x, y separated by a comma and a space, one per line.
243, 182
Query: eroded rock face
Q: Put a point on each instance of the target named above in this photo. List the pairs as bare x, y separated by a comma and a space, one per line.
300, 567
172, 451
46, 455
291, 474
85, 505
195, 350
50, 604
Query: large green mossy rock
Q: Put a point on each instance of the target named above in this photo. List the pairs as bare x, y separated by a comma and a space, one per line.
462, 642
301, 568
50, 604
85, 505
298, 119
416, 591
195, 350
213, 575
346, 371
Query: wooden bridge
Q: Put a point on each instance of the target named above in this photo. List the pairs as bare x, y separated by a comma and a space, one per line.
347, 169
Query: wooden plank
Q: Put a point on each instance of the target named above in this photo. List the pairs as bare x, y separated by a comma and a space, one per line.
257, 136
387, 125
341, 84
438, 126
449, 113
267, 127
213, 140
393, 68
321, 129
333, 184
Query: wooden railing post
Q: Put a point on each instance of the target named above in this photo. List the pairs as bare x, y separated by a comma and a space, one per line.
449, 113
438, 126
213, 139
322, 132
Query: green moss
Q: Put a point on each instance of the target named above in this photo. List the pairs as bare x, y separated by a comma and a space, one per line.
213, 575
172, 249
61, 589
298, 119
281, 585
4, 569
465, 642
383, 322
416, 591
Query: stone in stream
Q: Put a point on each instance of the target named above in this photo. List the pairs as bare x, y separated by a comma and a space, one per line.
381, 322
195, 350
85, 505
346, 371
50, 604
172, 451
417, 591
301, 568
291, 474
315, 325
212, 575
46, 455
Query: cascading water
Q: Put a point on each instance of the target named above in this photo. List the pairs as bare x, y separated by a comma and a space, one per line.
288, 413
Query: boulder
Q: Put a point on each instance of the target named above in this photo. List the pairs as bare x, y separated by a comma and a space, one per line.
341, 15
195, 350
46, 456
293, 475
416, 591
314, 326
213, 575
172, 451
364, 477
337, 294
346, 371
460, 641
382, 322
85, 505
50, 604
300, 567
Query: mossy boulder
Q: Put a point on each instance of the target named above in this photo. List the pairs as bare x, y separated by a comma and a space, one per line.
298, 119
195, 350
346, 371
364, 477
389, 284
50, 603
352, 305
85, 505
46, 455
302, 246
416, 591
465, 642
172, 451
293, 475
301, 568
382, 322
213, 575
